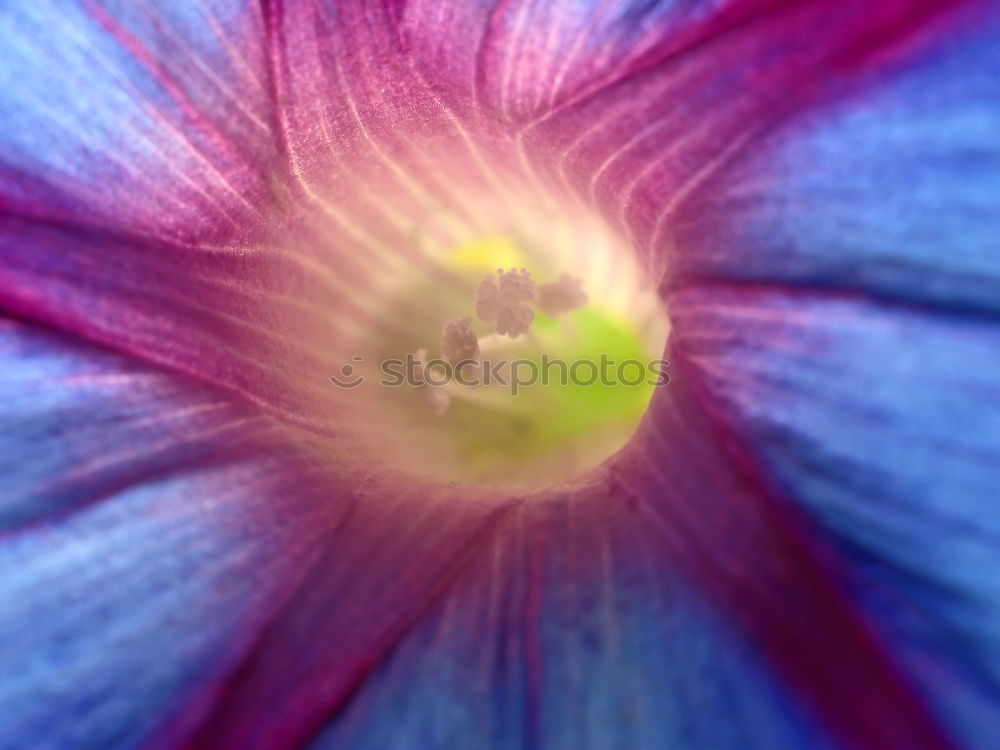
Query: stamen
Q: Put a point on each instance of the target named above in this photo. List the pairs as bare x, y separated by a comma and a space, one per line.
561, 296
458, 342
533, 402
436, 397
502, 300
419, 365
491, 342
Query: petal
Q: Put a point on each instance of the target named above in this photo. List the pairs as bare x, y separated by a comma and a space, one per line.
519, 59
138, 159
238, 321
613, 615
836, 291
78, 424
882, 424
390, 560
150, 530
637, 149
374, 148
568, 631
98, 129
890, 192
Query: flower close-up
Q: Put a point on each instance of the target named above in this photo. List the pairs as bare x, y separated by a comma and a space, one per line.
500, 374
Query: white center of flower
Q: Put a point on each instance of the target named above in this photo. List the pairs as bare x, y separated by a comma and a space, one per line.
529, 361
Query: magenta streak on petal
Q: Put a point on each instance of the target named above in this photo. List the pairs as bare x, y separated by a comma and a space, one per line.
163, 164
211, 131
533, 608
161, 74
203, 311
677, 33
179, 729
703, 108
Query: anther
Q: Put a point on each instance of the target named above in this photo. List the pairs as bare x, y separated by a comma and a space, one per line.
501, 300
459, 344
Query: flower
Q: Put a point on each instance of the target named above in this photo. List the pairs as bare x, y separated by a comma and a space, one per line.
208, 209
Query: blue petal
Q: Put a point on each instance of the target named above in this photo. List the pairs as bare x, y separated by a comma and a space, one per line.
569, 632
891, 192
883, 423
78, 424
145, 120
141, 554
837, 291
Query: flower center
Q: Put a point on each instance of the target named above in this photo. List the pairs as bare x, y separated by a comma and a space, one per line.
516, 363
